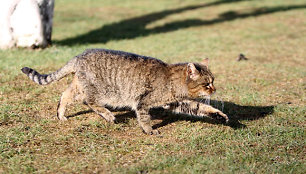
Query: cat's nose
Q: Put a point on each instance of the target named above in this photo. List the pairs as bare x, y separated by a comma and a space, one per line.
213, 89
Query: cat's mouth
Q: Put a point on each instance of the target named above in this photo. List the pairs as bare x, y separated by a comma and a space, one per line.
205, 96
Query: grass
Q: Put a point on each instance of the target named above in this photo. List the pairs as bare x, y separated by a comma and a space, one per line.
264, 96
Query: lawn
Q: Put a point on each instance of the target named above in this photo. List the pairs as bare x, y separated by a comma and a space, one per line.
263, 96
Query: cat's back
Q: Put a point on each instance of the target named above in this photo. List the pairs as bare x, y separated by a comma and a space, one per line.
100, 57
121, 75
121, 65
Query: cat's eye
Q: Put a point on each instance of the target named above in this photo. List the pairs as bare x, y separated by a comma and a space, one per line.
206, 85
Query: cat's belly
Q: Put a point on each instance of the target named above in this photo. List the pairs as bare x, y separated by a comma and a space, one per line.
117, 101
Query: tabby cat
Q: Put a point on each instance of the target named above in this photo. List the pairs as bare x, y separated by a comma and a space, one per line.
119, 79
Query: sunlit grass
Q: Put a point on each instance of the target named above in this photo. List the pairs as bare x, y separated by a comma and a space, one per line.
264, 96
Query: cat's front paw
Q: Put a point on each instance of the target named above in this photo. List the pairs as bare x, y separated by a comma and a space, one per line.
220, 116
224, 116
151, 131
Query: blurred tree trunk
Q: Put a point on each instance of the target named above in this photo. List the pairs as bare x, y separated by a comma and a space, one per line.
25, 23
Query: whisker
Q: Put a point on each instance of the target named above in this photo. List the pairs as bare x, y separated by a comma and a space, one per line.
219, 103
207, 100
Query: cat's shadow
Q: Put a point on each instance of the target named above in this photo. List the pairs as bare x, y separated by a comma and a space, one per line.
235, 112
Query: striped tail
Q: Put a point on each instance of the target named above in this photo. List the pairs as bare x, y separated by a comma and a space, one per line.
45, 79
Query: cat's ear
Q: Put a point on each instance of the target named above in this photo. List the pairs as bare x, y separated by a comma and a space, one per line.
205, 62
192, 71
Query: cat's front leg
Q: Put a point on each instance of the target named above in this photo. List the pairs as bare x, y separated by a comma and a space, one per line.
213, 112
195, 108
144, 120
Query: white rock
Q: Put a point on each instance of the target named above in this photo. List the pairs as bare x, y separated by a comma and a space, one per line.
23, 24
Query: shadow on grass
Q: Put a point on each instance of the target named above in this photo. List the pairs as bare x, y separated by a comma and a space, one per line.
235, 112
136, 27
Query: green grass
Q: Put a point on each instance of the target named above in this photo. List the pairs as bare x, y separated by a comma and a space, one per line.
264, 96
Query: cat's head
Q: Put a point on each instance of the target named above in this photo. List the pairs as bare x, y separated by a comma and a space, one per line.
199, 79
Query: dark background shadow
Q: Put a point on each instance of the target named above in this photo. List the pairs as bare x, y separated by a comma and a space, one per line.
235, 112
136, 27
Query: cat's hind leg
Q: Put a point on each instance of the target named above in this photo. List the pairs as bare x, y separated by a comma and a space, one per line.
103, 112
68, 96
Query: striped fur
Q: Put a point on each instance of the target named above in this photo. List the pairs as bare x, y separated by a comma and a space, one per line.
195, 108
120, 79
